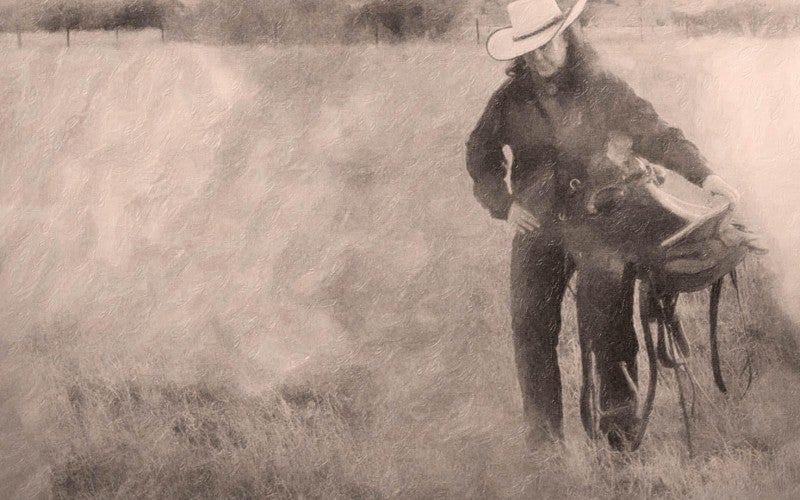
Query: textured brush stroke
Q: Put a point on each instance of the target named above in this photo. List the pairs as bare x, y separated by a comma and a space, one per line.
259, 270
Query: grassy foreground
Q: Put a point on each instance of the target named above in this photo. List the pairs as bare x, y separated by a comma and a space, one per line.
254, 272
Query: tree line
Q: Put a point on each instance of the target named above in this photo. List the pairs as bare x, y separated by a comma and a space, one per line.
337, 21
325, 21
243, 21
56, 15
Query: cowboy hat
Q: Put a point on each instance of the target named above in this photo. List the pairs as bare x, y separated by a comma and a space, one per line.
533, 24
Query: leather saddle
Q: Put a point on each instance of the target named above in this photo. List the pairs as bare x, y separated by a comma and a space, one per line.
646, 215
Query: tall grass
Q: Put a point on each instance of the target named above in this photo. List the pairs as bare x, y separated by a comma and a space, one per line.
254, 272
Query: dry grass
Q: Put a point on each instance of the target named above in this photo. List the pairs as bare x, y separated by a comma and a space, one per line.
252, 272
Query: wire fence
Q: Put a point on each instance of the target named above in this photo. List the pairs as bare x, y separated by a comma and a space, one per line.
68, 38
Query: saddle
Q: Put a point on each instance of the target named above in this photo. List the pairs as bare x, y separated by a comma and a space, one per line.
652, 217
677, 238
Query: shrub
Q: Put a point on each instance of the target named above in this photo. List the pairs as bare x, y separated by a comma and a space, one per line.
138, 14
403, 19
65, 14
96, 14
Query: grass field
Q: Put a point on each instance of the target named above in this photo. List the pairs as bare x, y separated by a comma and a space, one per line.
255, 271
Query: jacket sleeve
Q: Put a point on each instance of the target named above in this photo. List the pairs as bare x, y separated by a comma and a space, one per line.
654, 139
485, 160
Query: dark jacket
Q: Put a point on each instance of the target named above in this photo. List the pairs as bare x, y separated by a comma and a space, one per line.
544, 123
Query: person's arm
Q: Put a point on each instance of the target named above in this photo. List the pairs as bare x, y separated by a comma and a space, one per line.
653, 138
486, 163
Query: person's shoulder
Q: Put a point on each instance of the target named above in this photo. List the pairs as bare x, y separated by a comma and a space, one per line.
515, 88
502, 91
501, 94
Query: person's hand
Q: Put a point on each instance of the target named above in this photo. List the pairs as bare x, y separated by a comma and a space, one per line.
714, 184
522, 219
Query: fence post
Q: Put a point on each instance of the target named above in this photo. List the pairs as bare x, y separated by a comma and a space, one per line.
19, 38
162, 34
67, 37
376, 33
641, 19
477, 31
116, 35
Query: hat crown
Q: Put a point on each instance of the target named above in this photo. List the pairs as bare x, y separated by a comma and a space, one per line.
529, 16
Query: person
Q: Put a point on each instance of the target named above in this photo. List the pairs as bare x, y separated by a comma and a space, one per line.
559, 105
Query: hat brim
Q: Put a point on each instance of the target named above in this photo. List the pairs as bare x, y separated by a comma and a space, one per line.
502, 46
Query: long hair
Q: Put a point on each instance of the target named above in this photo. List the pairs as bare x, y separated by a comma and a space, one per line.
581, 64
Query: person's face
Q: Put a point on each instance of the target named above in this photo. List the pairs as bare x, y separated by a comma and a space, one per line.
549, 58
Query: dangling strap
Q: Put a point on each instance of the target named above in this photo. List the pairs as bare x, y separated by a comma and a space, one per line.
644, 316
748, 367
667, 361
673, 348
713, 312
735, 280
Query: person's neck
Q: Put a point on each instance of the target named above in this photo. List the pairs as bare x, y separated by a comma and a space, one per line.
565, 80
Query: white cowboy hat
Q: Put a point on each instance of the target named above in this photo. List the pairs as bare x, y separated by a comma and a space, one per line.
533, 24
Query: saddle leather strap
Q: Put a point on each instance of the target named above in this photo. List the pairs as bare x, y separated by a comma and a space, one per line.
645, 289
713, 313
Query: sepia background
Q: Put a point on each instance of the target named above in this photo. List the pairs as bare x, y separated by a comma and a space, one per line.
240, 256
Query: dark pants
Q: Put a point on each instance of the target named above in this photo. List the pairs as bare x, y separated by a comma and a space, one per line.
540, 271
